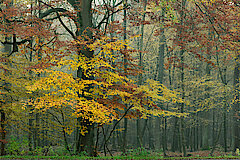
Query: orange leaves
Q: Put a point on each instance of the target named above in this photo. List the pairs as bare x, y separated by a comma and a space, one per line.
3, 140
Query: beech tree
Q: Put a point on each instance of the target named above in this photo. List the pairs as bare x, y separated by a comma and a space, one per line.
79, 72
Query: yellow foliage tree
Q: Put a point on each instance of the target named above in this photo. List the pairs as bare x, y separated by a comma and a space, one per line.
109, 91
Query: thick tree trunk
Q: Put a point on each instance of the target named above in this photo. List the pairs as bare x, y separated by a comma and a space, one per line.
84, 9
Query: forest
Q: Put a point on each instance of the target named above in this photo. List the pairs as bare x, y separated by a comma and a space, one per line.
120, 79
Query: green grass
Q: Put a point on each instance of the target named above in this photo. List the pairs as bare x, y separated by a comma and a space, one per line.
115, 157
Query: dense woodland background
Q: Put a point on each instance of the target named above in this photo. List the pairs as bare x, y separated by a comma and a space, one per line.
92, 76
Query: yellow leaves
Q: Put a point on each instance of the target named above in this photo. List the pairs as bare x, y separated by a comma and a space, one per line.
205, 93
25, 2
91, 98
154, 94
13, 80
2, 92
119, 129
93, 111
107, 45
237, 152
203, 1
208, 2
83, 130
159, 113
55, 80
61, 89
68, 130
158, 92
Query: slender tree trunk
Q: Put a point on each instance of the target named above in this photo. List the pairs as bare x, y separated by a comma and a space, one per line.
124, 146
182, 129
119, 138
7, 49
140, 79
225, 121
182, 136
236, 118
3, 132
161, 54
175, 140
30, 114
30, 123
139, 141
30, 120
64, 132
164, 135
206, 114
125, 3
216, 140
213, 127
150, 134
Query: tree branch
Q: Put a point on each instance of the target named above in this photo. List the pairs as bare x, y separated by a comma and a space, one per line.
108, 14
52, 10
126, 112
209, 19
18, 43
60, 20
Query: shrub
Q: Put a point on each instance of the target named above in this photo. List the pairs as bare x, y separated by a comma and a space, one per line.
138, 152
17, 146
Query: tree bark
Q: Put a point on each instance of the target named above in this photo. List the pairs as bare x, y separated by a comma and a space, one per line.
124, 145
83, 9
182, 129
3, 132
236, 109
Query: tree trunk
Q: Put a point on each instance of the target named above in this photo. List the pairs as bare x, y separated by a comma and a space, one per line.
182, 129
150, 134
139, 141
160, 66
175, 140
236, 109
83, 8
7, 49
140, 78
124, 145
3, 132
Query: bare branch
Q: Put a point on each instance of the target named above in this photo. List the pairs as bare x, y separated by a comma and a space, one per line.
60, 20
52, 10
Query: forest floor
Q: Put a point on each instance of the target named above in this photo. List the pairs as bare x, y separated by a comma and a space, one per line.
117, 157
136, 154
199, 154
204, 153
175, 155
